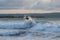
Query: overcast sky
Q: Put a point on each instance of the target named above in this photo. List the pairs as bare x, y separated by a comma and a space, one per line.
30, 4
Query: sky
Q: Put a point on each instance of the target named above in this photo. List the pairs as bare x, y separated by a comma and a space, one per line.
41, 5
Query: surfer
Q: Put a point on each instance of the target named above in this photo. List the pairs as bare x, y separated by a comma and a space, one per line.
27, 18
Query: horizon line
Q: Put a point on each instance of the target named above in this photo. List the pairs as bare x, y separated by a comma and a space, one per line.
15, 11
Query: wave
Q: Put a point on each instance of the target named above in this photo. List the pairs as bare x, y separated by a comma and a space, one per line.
46, 26
25, 25
21, 25
42, 29
45, 29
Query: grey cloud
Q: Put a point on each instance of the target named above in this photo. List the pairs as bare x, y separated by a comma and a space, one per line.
29, 4
11, 4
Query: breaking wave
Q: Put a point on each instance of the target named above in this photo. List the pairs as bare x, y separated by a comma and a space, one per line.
30, 28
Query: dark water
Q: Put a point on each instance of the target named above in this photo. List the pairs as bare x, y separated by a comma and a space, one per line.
18, 27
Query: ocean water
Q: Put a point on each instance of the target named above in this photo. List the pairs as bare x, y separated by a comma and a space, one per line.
39, 29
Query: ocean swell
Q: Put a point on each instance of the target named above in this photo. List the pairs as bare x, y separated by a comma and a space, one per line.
30, 28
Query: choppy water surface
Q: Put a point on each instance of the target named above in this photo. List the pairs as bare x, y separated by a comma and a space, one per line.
19, 29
